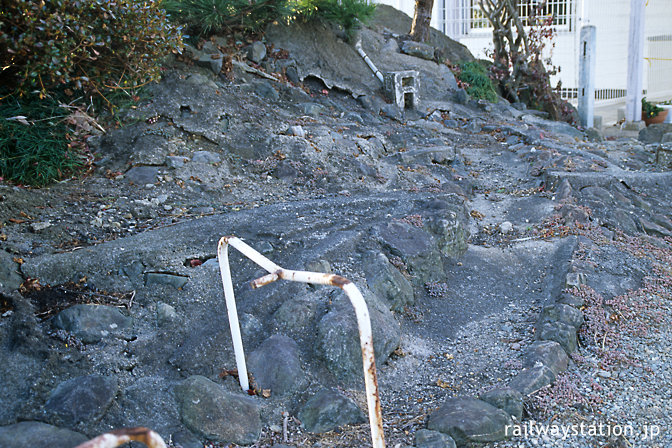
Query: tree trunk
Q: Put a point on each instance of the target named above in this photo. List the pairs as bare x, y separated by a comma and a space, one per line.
421, 19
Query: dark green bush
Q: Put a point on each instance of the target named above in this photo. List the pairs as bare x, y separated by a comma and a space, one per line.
474, 76
94, 44
34, 146
207, 17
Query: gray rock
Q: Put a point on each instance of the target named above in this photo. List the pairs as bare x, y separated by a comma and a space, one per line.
256, 52
426, 438
328, 410
506, 399
39, 226
449, 223
571, 300
391, 111
460, 96
175, 161
275, 365
10, 277
654, 133
92, 323
209, 410
560, 332
506, 227
159, 278
594, 135
206, 157
319, 266
148, 401
547, 353
142, 175
470, 420
561, 313
38, 434
651, 228
82, 399
265, 90
417, 249
667, 138
575, 279
417, 49
338, 336
296, 131
442, 155
387, 282
664, 155
296, 313
531, 380
312, 109
165, 314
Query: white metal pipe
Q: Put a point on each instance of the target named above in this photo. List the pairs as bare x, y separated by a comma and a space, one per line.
369, 62
356, 299
223, 257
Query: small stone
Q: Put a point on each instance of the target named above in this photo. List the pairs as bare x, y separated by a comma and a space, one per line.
256, 52
417, 49
547, 353
142, 175
92, 323
507, 399
426, 438
505, 227
175, 162
561, 313
38, 226
276, 365
165, 314
296, 131
327, 410
575, 279
159, 278
205, 157
531, 380
560, 332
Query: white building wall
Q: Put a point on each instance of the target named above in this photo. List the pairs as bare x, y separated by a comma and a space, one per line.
612, 20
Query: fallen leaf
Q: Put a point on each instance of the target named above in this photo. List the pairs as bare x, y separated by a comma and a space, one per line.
266, 393
3, 237
18, 260
449, 356
476, 214
17, 221
195, 262
443, 384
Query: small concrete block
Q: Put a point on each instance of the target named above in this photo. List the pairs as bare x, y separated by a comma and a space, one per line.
402, 88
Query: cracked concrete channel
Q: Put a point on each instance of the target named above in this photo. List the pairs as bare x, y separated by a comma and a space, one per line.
516, 271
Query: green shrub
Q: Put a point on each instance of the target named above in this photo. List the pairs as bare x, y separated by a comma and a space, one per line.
208, 17
34, 146
345, 13
95, 45
474, 76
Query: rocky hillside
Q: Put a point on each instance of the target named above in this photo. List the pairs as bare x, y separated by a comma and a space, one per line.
515, 269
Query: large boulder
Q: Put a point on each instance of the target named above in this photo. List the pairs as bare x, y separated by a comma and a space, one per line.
387, 282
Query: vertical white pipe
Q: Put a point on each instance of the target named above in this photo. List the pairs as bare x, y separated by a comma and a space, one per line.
234, 325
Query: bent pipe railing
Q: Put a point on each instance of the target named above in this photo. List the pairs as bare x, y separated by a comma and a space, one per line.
275, 272
119, 437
